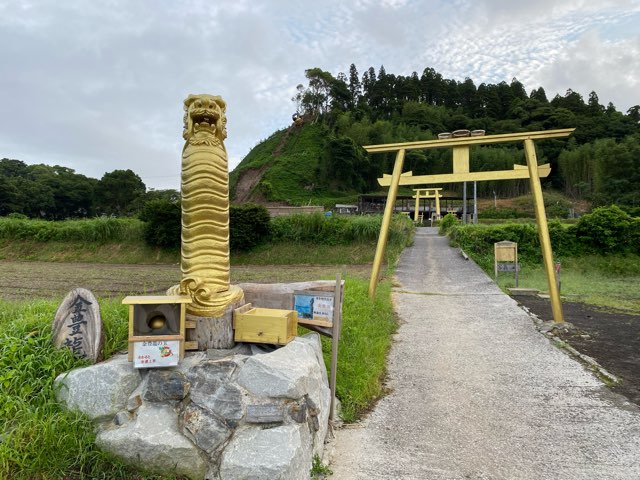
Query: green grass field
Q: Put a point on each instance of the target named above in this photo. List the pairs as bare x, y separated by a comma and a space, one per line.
587, 280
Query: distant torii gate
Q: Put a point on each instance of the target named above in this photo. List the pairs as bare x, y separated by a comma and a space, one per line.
427, 193
461, 173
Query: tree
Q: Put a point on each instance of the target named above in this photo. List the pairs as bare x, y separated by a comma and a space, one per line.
594, 106
74, 195
341, 98
518, 89
35, 199
539, 95
451, 94
317, 97
469, 98
297, 98
617, 171
169, 195
432, 87
506, 96
162, 223
368, 84
634, 113
355, 88
12, 168
572, 101
489, 100
118, 191
8, 196
350, 163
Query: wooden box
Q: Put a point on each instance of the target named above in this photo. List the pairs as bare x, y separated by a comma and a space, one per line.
156, 319
264, 325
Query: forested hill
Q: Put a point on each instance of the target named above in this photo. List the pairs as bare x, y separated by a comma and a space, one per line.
322, 158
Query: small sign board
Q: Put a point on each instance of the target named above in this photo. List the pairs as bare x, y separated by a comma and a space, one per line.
506, 258
508, 267
153, 354
506, 251
314, 307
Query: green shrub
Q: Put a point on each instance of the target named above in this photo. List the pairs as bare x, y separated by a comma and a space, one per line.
448, 221
557, 210
634, 211
250, 226
564, 241
609, 230
17, 216
605, 231
162, 223
481, 238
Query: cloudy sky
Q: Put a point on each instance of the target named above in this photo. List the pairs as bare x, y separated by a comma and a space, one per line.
98, 85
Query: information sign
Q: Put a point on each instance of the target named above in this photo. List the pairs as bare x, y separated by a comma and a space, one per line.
316, 306
153, 354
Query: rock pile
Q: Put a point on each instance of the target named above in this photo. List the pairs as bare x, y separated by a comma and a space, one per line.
248, 412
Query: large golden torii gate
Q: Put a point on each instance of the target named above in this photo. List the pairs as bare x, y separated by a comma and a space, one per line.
461, 173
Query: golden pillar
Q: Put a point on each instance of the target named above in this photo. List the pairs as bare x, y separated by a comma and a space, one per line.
386, 222
543, 230
205, 209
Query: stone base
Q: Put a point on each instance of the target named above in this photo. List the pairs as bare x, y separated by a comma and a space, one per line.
244, 415
213, 332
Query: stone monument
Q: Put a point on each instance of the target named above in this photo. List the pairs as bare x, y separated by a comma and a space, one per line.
205, 224
78, 325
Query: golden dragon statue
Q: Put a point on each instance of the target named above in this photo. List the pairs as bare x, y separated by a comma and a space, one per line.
205, 209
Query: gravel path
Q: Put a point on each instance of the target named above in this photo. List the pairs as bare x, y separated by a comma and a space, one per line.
478, 393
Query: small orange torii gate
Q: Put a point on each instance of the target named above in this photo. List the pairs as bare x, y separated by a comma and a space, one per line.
461, 173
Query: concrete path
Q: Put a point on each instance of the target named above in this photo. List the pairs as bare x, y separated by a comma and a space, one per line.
478, 393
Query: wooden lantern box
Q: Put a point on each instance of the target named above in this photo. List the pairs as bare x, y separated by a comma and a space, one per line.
157, 329
264, 325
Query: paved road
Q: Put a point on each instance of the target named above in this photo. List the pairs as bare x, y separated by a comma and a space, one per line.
478, 393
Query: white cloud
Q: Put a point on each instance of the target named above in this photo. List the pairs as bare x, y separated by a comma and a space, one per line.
612, 69
99, 85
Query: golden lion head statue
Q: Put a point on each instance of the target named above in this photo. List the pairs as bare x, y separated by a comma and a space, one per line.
205, 113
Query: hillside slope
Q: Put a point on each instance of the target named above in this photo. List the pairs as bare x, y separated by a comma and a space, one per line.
297, 166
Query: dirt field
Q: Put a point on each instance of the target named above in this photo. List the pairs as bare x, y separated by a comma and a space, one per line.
37, 280
612, 339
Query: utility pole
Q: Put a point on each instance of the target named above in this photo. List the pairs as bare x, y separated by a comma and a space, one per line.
475, 202
464, 202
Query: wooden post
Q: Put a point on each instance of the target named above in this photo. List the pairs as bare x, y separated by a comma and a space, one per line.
386, 221
335, 338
